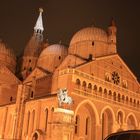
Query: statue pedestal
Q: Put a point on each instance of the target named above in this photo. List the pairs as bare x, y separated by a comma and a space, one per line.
62, 124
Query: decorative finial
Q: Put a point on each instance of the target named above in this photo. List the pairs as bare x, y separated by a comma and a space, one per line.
41, 10
113, 22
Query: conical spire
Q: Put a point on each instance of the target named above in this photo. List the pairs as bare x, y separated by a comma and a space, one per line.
39, 24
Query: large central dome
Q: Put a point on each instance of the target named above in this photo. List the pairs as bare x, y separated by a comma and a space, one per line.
90, 42
89, 34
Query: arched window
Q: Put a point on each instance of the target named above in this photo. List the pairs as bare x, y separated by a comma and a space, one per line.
100, 89
46, 119
107, 122
11, 99
87, 126
126, 98
95, 88
120, 118
110, 93
105, 91
134, 102
89, 87
114, 96
78, 83
84, 85
130, 100
108, 77
131, 124
119, 97
138, 103
92, 43
124, 84
32, 94
123, 98
77, 122
27, 123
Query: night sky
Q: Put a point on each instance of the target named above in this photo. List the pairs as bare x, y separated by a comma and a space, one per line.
62, 18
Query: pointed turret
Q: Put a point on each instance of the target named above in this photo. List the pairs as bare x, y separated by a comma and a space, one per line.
38, 29
112, 31
39, 24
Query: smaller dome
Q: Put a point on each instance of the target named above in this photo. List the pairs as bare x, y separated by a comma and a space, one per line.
7, 56
54, 49
51, 57
89, 34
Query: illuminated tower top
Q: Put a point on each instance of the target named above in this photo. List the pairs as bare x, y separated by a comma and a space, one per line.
39, 23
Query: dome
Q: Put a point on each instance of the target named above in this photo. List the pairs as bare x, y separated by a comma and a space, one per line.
90, 42
89, 34
7, 56
51, 57
54, 49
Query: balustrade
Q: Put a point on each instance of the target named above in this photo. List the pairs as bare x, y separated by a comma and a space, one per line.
101, 89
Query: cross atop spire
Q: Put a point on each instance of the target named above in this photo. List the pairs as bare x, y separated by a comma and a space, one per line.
39, 23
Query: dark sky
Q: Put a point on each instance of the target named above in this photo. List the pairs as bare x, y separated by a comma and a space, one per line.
62, 18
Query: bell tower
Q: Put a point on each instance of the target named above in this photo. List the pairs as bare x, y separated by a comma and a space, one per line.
38, 29
112, 32
33, 49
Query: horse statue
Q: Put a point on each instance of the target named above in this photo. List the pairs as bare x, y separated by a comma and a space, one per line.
63, 97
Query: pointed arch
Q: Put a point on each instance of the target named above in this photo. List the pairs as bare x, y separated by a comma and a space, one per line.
89, 119
93, 107
132, 115
120, 116
121, 110
107, 121
108, 107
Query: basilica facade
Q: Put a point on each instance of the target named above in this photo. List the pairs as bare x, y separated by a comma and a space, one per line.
105, 93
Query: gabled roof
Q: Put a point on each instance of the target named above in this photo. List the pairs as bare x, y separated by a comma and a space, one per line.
113, 56
7, 77
37, 73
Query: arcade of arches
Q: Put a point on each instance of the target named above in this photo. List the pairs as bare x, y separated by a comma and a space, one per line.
94, 124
